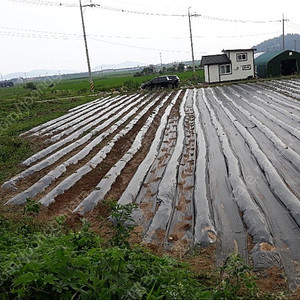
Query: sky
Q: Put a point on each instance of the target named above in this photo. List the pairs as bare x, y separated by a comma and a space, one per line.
47, 34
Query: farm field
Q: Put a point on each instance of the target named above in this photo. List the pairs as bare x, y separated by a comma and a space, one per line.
218, 165
58, 88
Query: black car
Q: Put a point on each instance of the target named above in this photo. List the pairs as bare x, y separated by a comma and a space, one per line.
168, 81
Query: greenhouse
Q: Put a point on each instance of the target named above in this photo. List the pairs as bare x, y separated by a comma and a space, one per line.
276, 64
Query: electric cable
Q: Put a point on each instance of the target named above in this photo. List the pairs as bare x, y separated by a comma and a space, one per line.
75, 35
145, 13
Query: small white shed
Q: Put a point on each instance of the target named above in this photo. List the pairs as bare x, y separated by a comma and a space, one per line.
231, 65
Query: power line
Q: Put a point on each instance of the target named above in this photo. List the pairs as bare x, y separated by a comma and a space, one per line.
34, 31
243, 35
74, 36
140, 47
34, 35
232, 20
45, 3
115, 9
145, 13
293, 25
49, 3
14, 31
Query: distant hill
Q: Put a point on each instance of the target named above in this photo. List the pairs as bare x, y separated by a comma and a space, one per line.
127, 64
291, 41
72, 73
36, 73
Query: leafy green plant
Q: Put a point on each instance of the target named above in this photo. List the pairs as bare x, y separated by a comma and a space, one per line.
121, 216
236, 281
75, 265
31, 207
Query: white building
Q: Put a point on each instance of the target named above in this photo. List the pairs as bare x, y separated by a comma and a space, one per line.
231, 65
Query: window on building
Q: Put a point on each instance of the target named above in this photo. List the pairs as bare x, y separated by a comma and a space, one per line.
225, 69
241, 57
246, 67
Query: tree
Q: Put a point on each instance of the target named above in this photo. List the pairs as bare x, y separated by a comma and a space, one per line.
30, 86
181, 67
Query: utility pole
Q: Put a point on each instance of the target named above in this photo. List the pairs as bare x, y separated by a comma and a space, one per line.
86, 47
191, 38
283, 46
283, 42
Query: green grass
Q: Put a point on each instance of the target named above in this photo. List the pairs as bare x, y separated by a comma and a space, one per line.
110, 82
55, 88
20, 114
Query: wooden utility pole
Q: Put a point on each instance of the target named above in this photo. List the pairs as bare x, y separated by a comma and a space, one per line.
86, 48
283, 41
191, 38
283, 46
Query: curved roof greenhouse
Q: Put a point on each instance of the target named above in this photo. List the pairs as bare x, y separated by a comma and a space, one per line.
278, 63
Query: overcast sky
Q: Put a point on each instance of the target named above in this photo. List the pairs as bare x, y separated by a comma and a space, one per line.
45, 35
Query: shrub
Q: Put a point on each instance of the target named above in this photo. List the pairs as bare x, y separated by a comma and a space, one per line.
236, 281
130, 85
76, 265
30, 85
123, 224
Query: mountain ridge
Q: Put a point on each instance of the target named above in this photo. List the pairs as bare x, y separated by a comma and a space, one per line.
291, 42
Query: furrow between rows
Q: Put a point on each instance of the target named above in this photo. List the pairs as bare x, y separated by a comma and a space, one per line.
265, 101
168, 185
282, 90
69, 116
282, 226
105, 111
204, 229
147, 194
74, 136
277, 185
283, 101
283, 124
50, 160
94, 162
292, 158
70, 122
179, 235
252, 215
86, 105
104, 186
231, 234
135, 185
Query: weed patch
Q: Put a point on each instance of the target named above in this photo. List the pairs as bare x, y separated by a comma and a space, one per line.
76, 265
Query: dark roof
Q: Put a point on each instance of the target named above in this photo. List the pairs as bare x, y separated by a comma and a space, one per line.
215, 59
267, 56
240, 50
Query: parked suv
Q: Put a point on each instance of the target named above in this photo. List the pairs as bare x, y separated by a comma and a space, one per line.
168, 81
